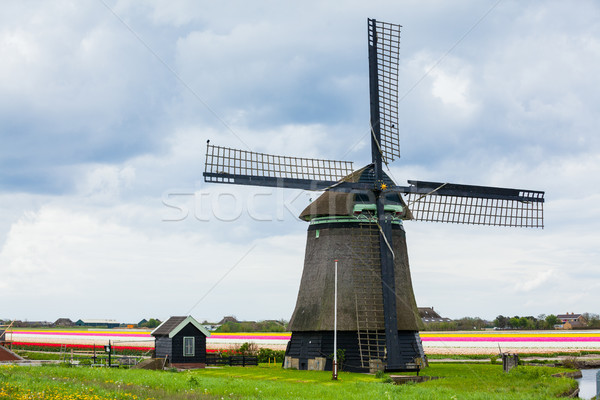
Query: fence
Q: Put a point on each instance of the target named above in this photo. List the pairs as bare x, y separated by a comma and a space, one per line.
237, 361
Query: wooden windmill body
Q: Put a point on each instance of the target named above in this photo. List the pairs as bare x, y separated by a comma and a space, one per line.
343, 226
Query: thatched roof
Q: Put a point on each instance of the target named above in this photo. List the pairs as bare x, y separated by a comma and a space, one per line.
333, 203
360, 294
428, 312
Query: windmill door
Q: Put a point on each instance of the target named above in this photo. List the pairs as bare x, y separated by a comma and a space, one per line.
311, 348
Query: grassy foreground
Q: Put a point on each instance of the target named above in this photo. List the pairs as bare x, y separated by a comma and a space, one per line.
459, 381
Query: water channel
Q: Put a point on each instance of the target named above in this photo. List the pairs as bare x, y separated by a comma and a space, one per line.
587, 383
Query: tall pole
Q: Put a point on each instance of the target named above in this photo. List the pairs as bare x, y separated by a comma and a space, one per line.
335, 360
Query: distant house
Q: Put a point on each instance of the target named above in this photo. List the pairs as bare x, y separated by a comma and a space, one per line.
228, 318
571, 321
63, 322
142, 322
104, 323
182, 340
32, 324
428, 315
210, 326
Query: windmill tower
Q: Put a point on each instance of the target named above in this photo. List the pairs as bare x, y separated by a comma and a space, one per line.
358, 220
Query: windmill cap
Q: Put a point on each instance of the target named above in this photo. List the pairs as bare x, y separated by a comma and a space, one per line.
333, 203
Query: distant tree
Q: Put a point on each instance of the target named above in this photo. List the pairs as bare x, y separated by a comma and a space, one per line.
540, 323
152, 323
551, 320
592, 319
228, 327
514, 322
501, 321
470, 323
441, 326
526, 323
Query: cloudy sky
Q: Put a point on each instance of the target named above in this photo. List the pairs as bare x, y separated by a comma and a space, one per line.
106, 106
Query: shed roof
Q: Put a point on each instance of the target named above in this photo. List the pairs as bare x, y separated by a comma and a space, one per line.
173, 325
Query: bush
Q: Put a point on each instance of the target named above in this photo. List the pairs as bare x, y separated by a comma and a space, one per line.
264, 355
571, 362
384, 378
248, 349
65, 364
261, 326
341, 358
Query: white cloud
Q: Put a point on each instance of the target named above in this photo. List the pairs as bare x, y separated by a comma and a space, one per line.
97, 131
57, 255
535, 282
452, 87
106, 181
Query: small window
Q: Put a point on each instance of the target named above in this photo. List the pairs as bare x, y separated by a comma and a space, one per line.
188, 347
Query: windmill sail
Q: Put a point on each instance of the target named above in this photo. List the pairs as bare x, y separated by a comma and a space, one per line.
242, 167
476, 205
384, 48
384, 54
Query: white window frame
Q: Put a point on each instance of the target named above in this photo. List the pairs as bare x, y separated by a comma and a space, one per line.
186, 340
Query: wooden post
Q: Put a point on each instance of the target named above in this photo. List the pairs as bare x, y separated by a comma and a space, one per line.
334, 370
509, 361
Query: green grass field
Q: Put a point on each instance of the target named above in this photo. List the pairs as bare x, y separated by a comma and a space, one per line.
459, 381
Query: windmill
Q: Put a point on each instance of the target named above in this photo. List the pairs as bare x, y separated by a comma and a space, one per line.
358, 220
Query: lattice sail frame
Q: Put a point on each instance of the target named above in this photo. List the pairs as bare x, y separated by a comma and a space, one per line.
479, 210
223, 164
386, 38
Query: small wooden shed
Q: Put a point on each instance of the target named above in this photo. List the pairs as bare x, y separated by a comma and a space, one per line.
182, 340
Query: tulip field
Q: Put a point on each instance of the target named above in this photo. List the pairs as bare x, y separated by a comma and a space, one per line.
471, 342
